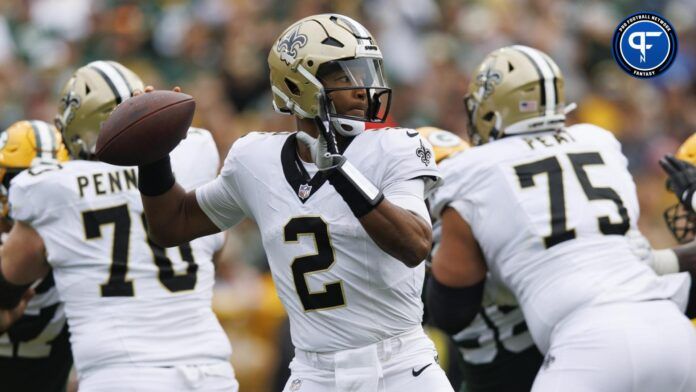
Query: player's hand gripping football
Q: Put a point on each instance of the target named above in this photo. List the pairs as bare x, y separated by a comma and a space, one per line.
682, 179
323, 148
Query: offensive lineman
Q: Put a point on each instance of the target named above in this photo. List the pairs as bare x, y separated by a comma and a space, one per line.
35, 352
497, 350
140, 315
547, 207
340, 211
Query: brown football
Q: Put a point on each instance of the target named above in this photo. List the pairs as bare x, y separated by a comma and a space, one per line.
145, 128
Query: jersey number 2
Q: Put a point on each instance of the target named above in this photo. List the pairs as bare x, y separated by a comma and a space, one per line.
332, 296
550, 166
117, 285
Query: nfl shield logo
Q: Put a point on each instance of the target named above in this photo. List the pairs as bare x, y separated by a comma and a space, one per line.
304, 191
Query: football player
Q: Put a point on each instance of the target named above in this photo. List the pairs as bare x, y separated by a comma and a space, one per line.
140, 315
35, 352
545, 208
680, 219
341, 213
497, 351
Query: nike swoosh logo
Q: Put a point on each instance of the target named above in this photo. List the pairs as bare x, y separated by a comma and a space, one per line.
412, 134
417, 373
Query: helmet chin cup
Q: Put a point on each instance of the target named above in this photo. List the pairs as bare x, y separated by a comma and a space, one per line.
348, 128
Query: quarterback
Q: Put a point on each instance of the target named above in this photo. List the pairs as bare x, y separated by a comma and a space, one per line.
140, 315
545, 209
341, 213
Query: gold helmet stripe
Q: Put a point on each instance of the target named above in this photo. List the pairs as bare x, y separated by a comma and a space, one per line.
546, 76
45, 140
114, 79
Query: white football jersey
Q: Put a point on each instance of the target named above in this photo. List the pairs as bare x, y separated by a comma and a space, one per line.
500, 322
339, 288
128, 301
550, 212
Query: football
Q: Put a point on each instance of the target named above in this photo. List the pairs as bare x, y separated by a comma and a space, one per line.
145, 128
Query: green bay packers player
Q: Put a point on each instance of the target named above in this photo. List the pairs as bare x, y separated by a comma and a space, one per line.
496, 349
681, 221
140, 315
545, 208
341, 213
35, 352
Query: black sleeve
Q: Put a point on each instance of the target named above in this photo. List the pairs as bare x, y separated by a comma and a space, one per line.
453, 308
10, 294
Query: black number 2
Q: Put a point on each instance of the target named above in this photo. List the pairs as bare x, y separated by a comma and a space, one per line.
559, 230
117, 285
332, 296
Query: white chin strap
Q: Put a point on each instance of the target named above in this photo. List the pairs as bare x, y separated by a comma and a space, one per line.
347, 127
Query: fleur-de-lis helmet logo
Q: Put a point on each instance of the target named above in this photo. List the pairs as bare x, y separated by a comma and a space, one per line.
289, 44
487, 81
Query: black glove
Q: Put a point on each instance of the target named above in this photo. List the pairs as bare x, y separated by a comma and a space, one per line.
682, 179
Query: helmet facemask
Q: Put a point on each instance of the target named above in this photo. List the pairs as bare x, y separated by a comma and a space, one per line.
364, 78
681, 223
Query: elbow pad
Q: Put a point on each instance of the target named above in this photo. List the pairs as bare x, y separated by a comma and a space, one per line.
453, 308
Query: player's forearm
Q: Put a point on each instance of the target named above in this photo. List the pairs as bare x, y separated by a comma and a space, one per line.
399, 233
165, 218
173, 215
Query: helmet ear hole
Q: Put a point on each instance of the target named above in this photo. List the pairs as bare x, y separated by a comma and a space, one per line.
292, 86
488, 116
87, 89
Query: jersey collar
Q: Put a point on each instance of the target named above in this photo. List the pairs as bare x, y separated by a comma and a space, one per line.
295, 173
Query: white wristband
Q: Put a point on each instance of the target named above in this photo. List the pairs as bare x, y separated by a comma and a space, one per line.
666, 262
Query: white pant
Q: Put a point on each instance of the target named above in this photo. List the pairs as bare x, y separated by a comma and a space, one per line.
211, 377
402, 363
627, 347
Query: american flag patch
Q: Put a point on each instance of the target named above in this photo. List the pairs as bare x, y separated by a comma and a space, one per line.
528, 106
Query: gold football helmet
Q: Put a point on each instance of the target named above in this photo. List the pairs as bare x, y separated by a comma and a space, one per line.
320, 45
516, 89
445, 143
23, 145
680, 221
88, 98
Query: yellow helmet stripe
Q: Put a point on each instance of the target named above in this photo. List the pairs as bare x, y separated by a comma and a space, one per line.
45, 139
113, 78
546, 74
